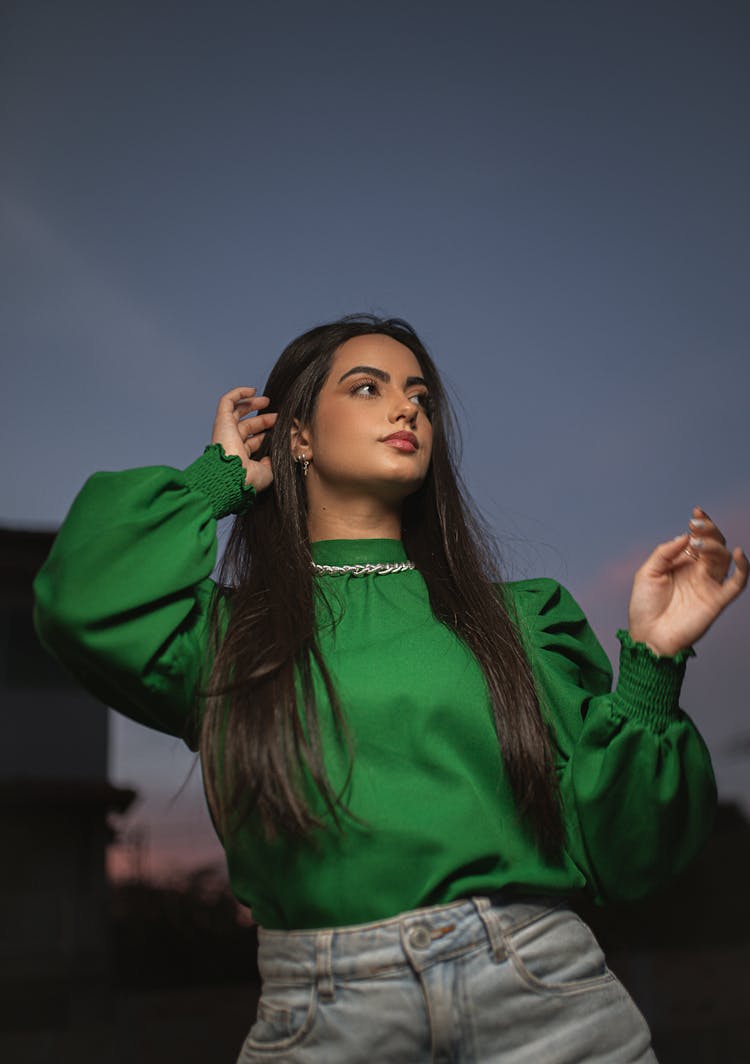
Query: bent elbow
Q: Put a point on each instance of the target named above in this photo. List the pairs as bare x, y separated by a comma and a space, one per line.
56, 621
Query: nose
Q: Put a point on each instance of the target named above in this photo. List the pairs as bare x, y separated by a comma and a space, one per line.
404, 410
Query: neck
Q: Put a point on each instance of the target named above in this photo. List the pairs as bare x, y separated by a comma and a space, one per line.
351, 518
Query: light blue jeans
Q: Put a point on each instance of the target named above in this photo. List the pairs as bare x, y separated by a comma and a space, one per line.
481, 981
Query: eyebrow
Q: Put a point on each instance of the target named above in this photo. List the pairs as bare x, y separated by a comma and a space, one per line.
381, 375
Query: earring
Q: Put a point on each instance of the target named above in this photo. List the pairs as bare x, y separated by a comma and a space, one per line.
304, 461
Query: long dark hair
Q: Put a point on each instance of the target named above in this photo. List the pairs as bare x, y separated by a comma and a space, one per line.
261, 704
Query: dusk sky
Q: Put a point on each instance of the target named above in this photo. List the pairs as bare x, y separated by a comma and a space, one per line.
554, 194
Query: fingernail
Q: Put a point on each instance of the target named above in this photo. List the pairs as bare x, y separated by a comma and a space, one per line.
698, 522
697, 543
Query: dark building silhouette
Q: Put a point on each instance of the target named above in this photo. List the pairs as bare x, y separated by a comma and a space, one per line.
54, 802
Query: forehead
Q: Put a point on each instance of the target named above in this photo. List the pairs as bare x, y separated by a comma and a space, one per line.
378, 351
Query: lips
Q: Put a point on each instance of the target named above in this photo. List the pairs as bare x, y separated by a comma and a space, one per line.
404, 441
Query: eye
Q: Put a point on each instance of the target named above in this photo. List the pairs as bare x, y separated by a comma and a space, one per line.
367, 389
422, 400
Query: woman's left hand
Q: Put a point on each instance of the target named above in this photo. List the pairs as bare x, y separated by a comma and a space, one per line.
682, 588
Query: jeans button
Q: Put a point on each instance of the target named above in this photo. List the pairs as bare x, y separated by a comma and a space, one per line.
420, 937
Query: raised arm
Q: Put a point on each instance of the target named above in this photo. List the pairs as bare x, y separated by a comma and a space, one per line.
123, 599
636, 780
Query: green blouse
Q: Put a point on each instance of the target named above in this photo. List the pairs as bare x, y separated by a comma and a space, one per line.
123, 602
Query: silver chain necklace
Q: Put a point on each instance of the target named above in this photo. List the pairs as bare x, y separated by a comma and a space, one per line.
374, 568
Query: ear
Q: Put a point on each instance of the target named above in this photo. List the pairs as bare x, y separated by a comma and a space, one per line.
299, 438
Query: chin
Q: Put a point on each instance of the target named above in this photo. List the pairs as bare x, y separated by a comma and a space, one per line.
400, 487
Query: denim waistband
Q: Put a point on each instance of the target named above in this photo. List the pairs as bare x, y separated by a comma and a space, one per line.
419, 938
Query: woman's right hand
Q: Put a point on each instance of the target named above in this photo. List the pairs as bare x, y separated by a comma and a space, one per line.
242, 435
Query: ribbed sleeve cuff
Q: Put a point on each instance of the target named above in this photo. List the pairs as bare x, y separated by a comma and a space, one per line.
648, 688
221, 477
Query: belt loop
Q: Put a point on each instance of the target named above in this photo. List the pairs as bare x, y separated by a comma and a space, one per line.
493, 927
324, 966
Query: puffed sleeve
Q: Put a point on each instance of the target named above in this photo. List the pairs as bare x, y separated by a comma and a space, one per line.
636, 781
123, 599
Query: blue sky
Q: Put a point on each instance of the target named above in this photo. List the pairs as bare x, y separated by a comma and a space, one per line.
554, 194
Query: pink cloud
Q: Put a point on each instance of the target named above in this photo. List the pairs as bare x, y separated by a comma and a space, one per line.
159, 861
610, 586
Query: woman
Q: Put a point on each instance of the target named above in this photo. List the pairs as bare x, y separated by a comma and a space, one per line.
410, 768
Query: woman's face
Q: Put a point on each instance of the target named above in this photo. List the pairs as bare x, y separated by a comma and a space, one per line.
370, 429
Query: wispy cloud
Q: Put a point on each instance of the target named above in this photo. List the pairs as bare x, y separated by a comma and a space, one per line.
78, 297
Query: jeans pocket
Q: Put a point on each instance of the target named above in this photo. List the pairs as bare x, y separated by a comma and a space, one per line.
558, 953
285, 1016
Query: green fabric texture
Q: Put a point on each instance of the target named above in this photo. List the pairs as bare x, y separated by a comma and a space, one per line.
209, 474
123, 602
